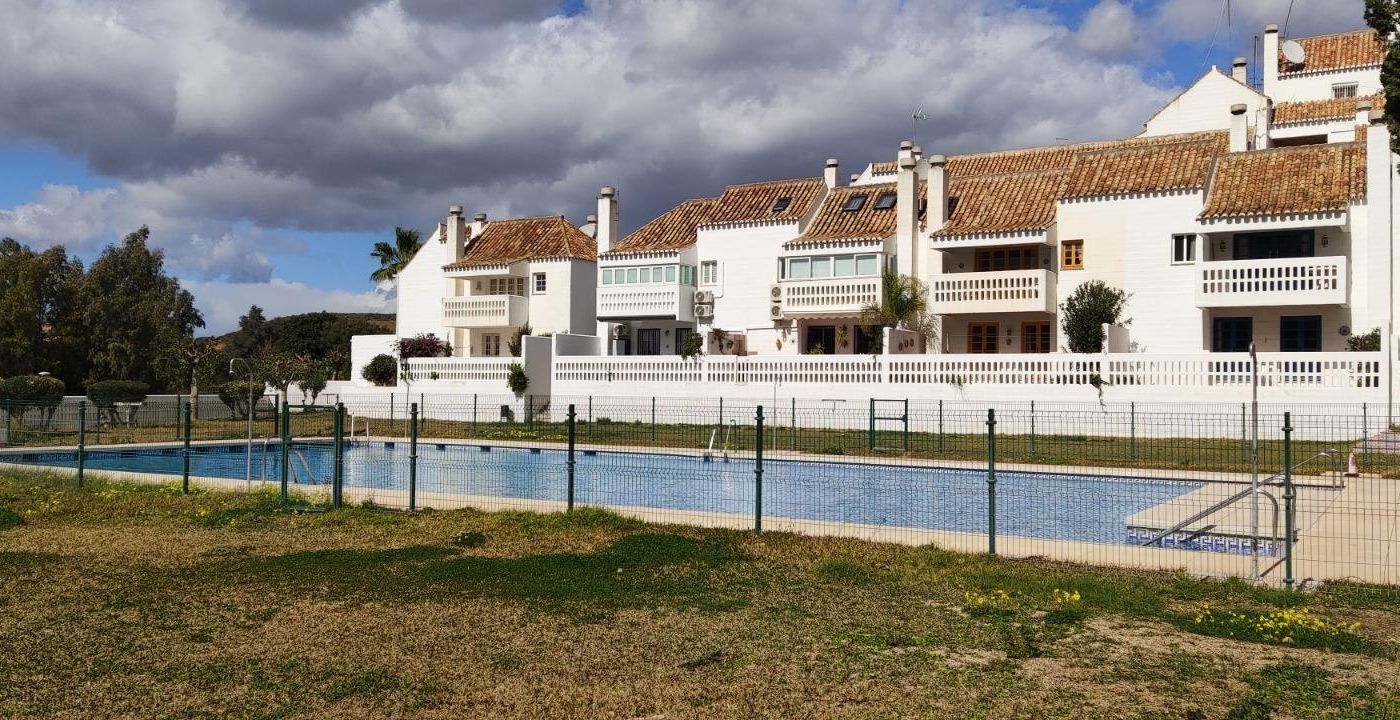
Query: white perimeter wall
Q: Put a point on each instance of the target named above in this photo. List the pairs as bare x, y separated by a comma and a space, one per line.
363, 348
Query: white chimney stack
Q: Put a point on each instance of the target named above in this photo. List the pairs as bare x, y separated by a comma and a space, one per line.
607, 219
456, 232
1239, 131
830, 173
1271, 60
1363, 112
906, 208
1240, 70
906, 150
478, 224
936, 212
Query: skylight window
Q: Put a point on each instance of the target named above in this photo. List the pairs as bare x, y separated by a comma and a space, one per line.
854, 203
781, 204
885, 201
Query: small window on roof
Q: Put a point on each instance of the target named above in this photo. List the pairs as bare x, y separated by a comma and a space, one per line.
781, 204
885, 201
854, 203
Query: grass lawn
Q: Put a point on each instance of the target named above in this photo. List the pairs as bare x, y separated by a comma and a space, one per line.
135, 601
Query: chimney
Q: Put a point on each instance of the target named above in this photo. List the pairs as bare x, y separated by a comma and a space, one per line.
607, 219
906, 150
1271, 60
478, 224
918, 152
1363, 112
906, 208
830, 173
936, 212
1239, 130
1239, 70
457, 232
855, 178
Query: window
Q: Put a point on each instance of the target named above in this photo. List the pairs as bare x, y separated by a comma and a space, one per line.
631, 275
539, 283
1270, 245
1231, 334
1344, 90
885, 201
1012, 258
821, 267
709, 272
607, 277
687, 275
781, 204
506, 286
682, 336
854, 203
649, 341
1072, 255
1183, 248
1035, 337
1300, 333
843, 266
867, 265
799, 268
670, 273
644, 275
820, 340
982, 337
491, 345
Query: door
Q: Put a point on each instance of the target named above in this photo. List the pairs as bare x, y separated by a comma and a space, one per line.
1300, 333
820, 340
868, 339
649, 341
982, 337
491, 345
1231, 334
1035, 337
682, 337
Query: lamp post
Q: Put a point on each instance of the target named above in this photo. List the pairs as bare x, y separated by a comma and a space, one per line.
248, 472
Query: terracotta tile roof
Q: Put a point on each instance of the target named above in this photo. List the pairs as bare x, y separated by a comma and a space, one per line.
508, 241
753, 202
1336, 52
1054, 157
1007, 202
834, 222
1283, 181
1322, 110
1143, 168
672, 230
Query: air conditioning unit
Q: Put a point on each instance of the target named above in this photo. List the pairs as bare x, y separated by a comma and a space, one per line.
775, 293
775, 311
704, 310
704, 296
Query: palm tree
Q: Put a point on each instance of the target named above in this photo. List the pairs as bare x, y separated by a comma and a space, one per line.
394, 258
903, 305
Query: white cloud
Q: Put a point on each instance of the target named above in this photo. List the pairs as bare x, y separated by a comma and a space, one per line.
61, 215
1179, 20
1109, 30
223, 303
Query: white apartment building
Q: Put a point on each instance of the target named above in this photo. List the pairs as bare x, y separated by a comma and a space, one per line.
476, 283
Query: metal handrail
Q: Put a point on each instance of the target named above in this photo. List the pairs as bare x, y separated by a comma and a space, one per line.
1227, 502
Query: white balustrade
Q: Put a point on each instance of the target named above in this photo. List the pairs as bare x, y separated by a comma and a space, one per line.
992, 292
671, 301
830, 295
491, 369
1283, 281
484, 311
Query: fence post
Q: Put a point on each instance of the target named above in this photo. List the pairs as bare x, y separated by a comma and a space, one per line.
758, 471
870, 434
793, 429
590, 416
940, 426
1132, 430
473, 411
286, 464
529, 411
721, 414
653, 419
9, 434
185, 470
178, 404
1032, 427
570, 463
992, 482
337, 476
1365, 438
422, 412
82, 439
1288, 496
413, 457
1244, 433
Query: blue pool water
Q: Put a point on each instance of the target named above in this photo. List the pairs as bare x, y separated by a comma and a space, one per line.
1043, 505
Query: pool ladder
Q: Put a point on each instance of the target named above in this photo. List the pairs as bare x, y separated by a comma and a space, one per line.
728, 432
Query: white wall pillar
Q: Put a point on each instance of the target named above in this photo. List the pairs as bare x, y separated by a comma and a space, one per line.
906, 214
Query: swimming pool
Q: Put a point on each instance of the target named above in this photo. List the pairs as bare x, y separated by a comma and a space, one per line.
1054, 506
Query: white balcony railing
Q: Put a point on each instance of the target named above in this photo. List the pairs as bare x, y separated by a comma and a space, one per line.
670, 301
484, 369
1285, 281
829, 296
993, 292
485, 311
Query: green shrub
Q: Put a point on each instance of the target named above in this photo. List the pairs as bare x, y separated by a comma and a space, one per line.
314, 383
33, 392
516, 379
234, 395
106, 393
383, 370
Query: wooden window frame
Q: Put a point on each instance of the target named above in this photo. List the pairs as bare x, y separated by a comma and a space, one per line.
1036, 326
1065, 263
982, 337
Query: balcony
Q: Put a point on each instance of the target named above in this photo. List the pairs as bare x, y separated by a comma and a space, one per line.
829, 296
485, 311
666, 301
1285, 281
993, 292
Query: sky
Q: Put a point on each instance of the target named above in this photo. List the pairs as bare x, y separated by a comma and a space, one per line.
269, 143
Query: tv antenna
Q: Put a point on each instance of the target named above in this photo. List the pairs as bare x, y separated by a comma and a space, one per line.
915, 118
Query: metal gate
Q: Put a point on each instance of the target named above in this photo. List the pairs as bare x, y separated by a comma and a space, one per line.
312, 456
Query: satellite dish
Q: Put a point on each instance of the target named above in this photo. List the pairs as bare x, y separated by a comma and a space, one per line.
1293, 52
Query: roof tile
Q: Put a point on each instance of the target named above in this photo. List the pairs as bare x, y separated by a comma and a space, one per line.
672, 230
508, 241
1002, 203
1336, 52
1284, 181
834, 222
1315, 111
753, 202
1145, 168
